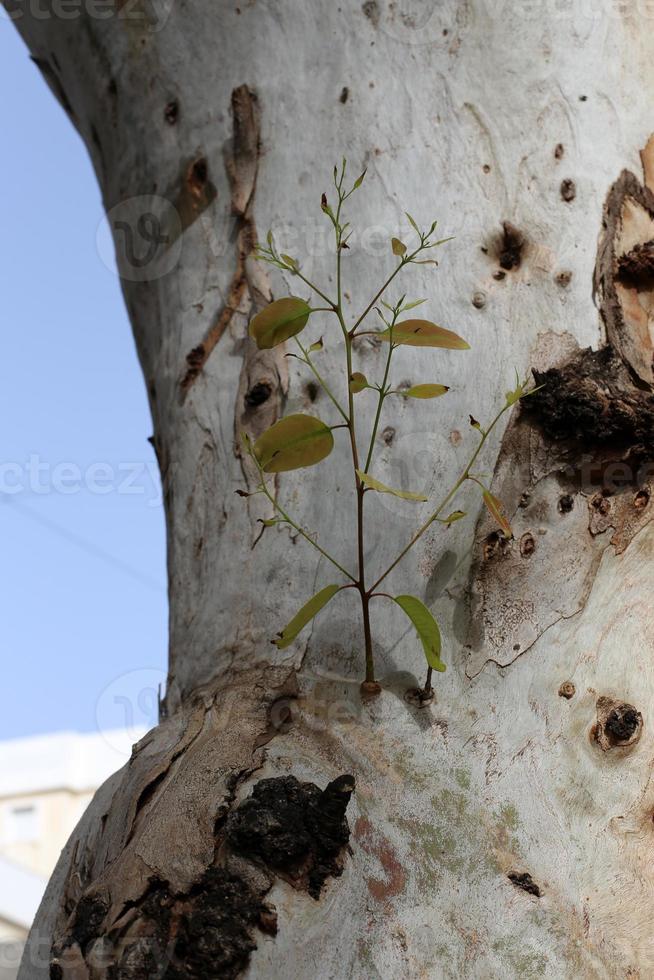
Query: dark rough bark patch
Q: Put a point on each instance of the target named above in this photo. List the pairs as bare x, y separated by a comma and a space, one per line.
294, 829
89, 916
286, 828
592, 400
636, 268
524, 881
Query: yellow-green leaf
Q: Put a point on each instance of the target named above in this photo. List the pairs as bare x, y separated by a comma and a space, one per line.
358, 182
497, 512
412, 222
424, 333
456, 515
292, 443
358, 382
305, 615
426, 391
399, 248
372, 484
426, 627
280, 320
290, 261
318, 345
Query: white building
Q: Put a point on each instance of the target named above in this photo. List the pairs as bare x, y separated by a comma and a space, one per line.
46, 783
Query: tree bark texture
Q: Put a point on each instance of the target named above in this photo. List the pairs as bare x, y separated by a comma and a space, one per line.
505, 830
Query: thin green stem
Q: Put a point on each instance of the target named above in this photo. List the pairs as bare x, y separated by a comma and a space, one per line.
405, 261
365, 600
289, 520
315, 289
321, 381
443, 504
382, 397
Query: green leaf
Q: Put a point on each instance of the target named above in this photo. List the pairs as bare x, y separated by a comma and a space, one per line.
412, 306
456, 515
424, 333
305, 615
290, 261
412, 222
358, 182
426, 627
292, 443
318, 345
269, 239
399, 248
426, 391
358, 382
280, 320
514, 396
497, 512
372, 484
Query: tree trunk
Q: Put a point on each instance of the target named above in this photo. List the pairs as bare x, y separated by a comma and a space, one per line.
504, 830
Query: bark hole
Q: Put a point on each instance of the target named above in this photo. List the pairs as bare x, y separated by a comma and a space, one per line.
567, 690
171, 112
636, 268
258, 394
524, 881
641, 499
311, 388
568, 190
510, 247
371, 10
619, 724
566, 503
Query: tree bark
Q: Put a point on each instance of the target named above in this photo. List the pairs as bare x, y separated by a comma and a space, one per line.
504, 830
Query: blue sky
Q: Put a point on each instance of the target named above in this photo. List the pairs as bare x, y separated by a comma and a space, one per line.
83, 626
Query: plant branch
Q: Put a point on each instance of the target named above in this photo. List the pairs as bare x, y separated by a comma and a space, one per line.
443, 504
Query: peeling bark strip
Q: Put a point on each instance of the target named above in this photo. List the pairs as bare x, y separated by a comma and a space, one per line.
242, 169
137, 909
579, 480
623, 282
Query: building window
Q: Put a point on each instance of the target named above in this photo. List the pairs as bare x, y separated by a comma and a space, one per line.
22, 823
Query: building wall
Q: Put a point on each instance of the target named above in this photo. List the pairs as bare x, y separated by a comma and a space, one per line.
35, 827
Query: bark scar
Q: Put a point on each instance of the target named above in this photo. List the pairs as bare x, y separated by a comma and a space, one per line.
242, 166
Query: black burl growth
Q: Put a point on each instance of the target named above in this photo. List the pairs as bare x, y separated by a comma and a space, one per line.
594, 400
295, 828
